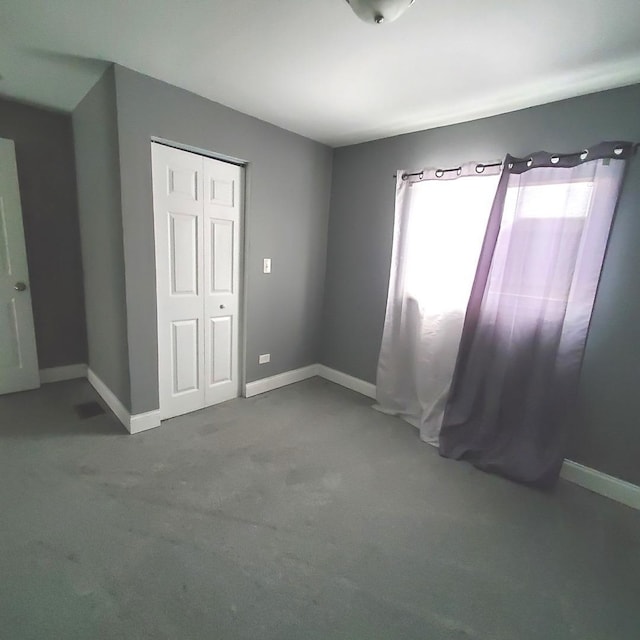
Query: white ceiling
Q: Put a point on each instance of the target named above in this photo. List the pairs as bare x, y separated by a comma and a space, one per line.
312, 67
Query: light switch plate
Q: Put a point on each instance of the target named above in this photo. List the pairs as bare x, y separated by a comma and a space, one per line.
264, 358
266, 265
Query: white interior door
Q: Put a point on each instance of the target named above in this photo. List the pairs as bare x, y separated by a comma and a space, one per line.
196, 218
18, 357
221, 279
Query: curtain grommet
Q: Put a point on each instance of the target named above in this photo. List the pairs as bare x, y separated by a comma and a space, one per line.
555, 159
439, 173
529, 162
618, 151
584, 154
479, 168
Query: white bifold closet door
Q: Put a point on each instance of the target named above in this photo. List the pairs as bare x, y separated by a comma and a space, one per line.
196, 203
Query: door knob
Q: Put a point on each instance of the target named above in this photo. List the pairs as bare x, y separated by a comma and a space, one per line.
222, 306
20, 286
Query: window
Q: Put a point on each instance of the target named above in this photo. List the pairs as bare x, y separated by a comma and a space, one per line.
545, 223
552, 200
447, 223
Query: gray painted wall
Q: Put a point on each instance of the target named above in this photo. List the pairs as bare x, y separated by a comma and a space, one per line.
46, 171
606, 434
96, 149
287, 207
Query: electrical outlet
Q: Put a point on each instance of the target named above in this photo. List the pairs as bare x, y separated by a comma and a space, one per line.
264, 358
266, 265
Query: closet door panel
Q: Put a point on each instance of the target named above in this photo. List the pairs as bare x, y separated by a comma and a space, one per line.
178, 224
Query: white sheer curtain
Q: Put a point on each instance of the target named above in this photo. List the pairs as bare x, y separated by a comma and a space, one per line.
440, 222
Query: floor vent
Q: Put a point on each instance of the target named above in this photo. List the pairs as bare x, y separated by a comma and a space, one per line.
89, 410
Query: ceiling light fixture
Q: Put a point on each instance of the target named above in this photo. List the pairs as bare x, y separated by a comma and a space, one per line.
379, 11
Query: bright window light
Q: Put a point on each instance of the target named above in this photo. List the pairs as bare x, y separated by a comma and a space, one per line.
538, 217
552, 200
447, 223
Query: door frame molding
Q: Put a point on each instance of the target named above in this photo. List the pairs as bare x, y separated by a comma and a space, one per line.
243, 277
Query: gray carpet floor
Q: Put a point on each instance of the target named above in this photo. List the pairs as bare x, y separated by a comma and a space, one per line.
301, 513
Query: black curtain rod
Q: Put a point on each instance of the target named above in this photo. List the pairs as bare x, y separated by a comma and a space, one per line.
440, 172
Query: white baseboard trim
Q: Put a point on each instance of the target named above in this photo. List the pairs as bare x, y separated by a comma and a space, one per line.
602, 483
110, 398
133, 423
279, 380
344, 379
139, 422
67, 372
297, 375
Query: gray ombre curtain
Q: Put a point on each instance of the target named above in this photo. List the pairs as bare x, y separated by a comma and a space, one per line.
528, 315
440, 222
